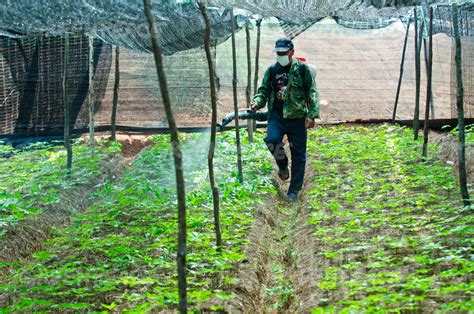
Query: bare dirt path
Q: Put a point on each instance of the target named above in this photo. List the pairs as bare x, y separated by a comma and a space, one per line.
274, 278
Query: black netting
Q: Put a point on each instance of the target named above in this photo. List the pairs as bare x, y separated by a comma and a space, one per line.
358, 70
442, 22
185, 32
32, 79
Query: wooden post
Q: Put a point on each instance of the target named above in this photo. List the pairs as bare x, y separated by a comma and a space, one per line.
116, 91
236, 108
416, 116
431, 94
248, 90
210, 156
90, 96
460, 109
426, 65
67, 108
257, 56
178, 159
401, 71
429, 70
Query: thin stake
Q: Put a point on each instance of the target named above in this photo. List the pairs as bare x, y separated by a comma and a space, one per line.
210, 156
257, 56
429, 70
67, 109
116, 93
426, 65
236, 108
431, 94
416, 116
401, 71
178, 159
90, 96
460, 109
248, 90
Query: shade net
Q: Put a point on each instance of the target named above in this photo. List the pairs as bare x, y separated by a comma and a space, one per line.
357, 53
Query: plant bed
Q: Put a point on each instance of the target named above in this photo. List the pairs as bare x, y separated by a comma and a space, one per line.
120, 254
375, 229
37, 193
390, 231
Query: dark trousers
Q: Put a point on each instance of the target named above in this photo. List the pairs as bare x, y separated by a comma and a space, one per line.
297, 135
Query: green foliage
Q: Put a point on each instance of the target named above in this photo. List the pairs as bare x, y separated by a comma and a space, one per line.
468, 131
34, 178
120, 255
392, 234
393, 231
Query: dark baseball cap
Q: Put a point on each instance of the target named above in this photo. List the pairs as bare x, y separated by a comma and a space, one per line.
283, 44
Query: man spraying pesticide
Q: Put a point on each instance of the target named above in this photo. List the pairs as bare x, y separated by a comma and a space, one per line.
289, 88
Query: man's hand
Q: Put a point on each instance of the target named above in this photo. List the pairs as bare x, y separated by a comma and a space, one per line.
253, 107
310, 123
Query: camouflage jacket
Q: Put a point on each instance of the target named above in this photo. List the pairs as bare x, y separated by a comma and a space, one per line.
302, 99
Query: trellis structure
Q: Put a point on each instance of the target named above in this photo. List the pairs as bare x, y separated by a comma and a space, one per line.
31, 62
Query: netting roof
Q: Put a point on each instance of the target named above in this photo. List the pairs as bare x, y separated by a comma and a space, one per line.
32, 47
180, 24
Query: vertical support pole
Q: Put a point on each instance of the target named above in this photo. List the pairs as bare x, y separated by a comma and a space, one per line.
431, 94
236, 109
178, 159
248, 90
416, 116
402, 63
429, 70
460, 109
210, 156
426, 64
67, 108
116, 91
90, 96
257, 57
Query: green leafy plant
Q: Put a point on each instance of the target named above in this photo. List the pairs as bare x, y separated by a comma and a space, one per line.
403, 214
119, 255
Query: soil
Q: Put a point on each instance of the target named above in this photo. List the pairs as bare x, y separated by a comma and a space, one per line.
132, 144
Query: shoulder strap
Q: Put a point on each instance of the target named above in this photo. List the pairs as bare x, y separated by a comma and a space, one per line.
303, 67
272, 73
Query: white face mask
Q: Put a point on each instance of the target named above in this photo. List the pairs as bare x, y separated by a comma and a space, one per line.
283, 60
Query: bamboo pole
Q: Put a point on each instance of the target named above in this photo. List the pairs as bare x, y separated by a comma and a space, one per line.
236, 108
429, 70
178, 159
67, 108
248, 90
460, 109
257, 57
90, 96
416, 116
116, 92
210, 156
401, 71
